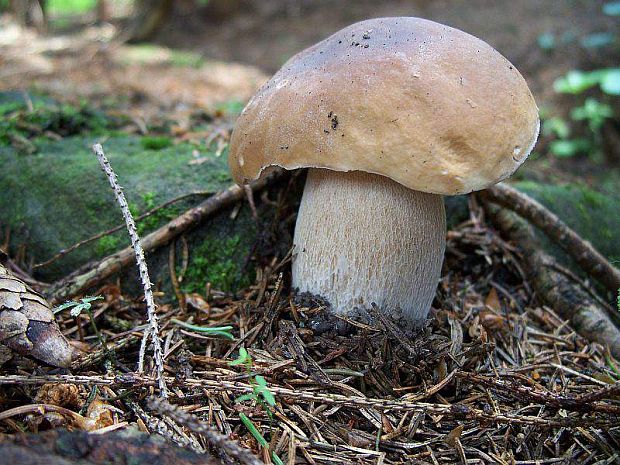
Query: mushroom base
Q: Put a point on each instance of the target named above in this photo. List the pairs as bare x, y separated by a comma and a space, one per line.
362, 238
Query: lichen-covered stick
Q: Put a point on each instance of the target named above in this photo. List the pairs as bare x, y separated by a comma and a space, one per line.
153, 329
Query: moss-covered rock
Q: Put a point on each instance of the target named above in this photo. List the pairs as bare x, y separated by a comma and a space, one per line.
592, 214
58, 196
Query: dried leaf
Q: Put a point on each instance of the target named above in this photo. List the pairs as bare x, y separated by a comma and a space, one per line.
453, 436
492, 301
62, 395
100, 413
491, 321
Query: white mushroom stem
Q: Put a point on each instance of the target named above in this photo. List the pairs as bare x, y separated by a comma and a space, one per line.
362, 238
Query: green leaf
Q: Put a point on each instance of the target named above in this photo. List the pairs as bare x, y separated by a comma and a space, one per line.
612, 8
598, 40
65, 306
610, 81
556, 126
594, 112
75, 311
259, 437
260, 380
241, 359
569, 148
575, 82
223, 331
268, 396
244, 397
253, 431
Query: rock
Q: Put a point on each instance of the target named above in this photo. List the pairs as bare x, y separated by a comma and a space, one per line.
593, 214
58, 196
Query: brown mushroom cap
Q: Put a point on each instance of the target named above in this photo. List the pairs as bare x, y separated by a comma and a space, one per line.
426, 105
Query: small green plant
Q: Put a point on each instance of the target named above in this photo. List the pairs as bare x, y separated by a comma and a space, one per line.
84, 305
260, 394
588, 118
260, 391
259, 437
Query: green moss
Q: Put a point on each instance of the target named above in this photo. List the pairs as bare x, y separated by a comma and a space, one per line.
217, 262
58, 196
107, 245
186, 59
232, 107
23, 127
155, 142
155, 54
592, 214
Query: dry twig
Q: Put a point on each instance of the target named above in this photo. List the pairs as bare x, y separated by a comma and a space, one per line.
219, 441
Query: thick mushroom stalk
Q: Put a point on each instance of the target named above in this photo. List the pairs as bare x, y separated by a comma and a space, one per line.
362, 238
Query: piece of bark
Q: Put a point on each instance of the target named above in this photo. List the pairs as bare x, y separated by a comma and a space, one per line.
586, 256
94, 273
27, 324
553, 287
128, 447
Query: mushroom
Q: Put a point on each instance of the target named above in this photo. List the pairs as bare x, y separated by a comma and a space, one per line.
389, 115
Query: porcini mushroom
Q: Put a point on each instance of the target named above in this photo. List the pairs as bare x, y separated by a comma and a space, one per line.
388, 114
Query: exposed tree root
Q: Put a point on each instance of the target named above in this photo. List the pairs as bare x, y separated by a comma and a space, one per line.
586, 256
553, 287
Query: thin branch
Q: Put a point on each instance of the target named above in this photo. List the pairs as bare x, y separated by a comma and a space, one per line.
153, 330
552, 287
586, 256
